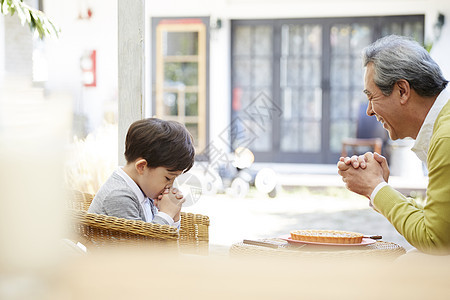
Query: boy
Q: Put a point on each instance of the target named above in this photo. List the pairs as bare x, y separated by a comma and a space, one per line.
156, 151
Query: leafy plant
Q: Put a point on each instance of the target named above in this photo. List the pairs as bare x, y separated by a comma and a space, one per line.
36, 19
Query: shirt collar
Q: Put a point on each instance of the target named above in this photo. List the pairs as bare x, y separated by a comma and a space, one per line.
134, 187
422, 142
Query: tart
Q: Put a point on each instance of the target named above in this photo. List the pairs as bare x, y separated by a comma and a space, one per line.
327, 236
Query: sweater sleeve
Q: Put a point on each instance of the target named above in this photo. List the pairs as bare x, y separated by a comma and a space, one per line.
427, 228
121, 205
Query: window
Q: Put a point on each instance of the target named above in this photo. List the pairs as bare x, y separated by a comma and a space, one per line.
311, 70
180, 74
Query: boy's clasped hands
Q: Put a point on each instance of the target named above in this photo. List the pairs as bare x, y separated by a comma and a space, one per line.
170, 202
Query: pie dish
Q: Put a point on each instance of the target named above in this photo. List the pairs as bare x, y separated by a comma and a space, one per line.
364, 242
327, 236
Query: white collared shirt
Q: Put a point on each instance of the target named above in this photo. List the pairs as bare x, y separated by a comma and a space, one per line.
423, 138
147, 205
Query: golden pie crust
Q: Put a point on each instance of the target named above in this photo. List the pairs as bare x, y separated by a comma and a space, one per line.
327, 236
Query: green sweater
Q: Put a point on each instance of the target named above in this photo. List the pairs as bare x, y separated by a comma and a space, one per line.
426, 228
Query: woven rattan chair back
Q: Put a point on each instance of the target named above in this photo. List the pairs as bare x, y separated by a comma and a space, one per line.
95, 230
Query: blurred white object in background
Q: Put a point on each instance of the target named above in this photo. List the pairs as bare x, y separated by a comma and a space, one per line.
243, 158
210, 179
403, 162
266, 180
238, 188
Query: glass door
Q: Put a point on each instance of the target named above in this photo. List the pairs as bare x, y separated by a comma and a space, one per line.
181, 75
346, 79
252, 87
297, 84
301, 88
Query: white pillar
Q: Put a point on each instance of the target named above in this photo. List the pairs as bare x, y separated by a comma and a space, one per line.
131, 25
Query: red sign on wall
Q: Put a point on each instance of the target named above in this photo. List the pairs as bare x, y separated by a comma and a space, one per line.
88, 68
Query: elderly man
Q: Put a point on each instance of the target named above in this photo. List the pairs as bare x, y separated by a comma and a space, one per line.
407, 93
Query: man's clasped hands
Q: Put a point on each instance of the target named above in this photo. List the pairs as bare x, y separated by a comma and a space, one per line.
363, 173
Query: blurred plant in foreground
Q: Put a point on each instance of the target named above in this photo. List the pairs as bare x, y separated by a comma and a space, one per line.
92, 160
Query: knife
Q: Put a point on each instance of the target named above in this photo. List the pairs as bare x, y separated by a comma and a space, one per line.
373, 237
263, 243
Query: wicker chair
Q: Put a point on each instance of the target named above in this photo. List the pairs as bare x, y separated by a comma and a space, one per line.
94, 230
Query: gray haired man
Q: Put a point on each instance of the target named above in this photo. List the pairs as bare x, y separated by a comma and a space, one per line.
409, 96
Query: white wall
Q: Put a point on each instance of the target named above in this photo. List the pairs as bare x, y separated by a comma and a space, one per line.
441, 47
63, 55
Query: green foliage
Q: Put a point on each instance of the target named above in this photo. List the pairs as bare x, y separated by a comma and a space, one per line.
36, 19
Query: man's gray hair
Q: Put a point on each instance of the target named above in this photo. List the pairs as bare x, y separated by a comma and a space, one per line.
398, 57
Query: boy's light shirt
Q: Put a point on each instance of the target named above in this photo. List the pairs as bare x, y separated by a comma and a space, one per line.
423, 139
147, 204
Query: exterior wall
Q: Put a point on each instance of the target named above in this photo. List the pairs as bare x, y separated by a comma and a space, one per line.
440, 50
100, 33
63, 54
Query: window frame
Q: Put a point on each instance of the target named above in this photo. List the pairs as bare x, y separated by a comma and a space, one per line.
175, 24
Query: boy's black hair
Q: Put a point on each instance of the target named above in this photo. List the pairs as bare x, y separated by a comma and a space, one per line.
161, 143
